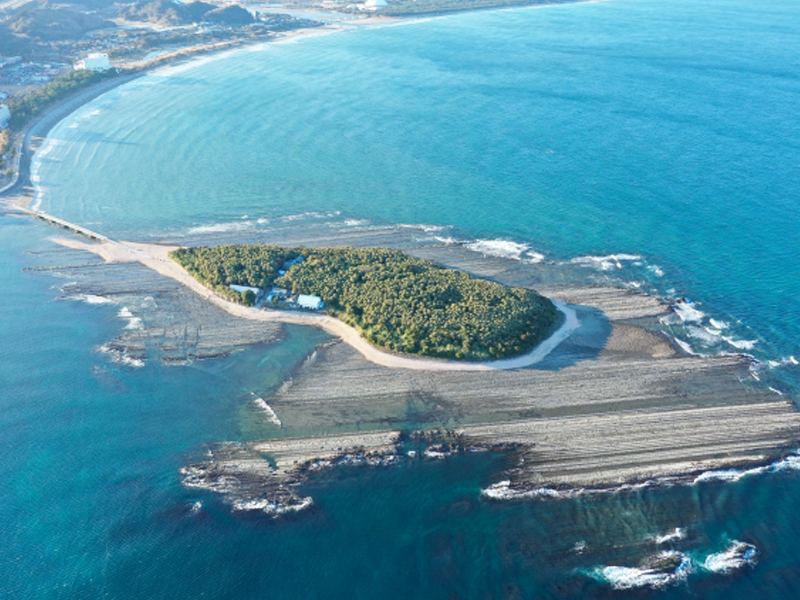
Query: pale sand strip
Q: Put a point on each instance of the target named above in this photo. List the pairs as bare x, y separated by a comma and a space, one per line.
157, 258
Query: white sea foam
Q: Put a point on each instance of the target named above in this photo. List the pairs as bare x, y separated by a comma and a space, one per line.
735, 556
501, 248
605, 263
741, 344
134, 323
221, 227
718, 324
271, 416
272, 508
580, 547
121, 357
702, 334
722, 475
91, 299
676, 534
505, 249
423, 227
356, 222
124, 359
784, 362
790, 463
688, 312
729, 475
311, 215
503, 491
656, 270
448, 241
626, 578
685, 347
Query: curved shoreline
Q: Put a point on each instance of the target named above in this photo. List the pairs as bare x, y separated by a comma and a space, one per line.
18, 190
157, 258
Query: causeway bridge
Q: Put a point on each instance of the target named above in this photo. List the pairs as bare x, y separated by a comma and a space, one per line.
66, 224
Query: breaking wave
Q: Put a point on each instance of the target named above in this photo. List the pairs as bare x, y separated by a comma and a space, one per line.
505, 249
226, 227
675, 535
91, 299
658, 571
272, 417
311, 215
607, 263
688, 312
789, 463
735, 556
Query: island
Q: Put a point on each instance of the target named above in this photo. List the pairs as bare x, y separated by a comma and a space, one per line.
395, 301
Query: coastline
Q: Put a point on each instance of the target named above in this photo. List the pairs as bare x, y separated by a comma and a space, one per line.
19, 191
611, 410
637, 424
157, 258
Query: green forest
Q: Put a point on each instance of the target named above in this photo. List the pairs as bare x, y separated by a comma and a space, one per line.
25, 108
394, 300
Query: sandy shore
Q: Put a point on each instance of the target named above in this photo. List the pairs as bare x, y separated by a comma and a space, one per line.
157, 258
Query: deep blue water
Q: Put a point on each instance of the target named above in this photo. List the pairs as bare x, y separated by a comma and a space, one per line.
664, 131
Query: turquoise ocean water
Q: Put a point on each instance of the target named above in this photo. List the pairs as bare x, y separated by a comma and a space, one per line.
649, 143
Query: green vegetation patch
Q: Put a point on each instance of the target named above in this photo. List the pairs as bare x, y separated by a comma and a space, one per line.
27, 107
394, 300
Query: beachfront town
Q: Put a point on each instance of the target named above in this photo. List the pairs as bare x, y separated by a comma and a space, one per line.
38, 46
44, 48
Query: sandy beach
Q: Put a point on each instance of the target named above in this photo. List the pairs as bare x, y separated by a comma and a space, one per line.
157, 258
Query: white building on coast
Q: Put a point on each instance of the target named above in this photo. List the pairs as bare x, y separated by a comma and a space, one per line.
310, 302
94, 61
244, 288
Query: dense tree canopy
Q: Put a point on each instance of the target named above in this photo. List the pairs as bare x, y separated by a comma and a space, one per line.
396, 301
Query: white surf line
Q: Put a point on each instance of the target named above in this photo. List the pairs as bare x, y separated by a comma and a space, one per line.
157, 258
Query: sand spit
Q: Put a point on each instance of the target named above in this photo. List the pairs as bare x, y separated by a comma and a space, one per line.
158, 318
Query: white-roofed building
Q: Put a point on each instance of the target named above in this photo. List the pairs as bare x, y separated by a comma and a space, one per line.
5, 116
375, 4
244, 288
94, 61
311, 302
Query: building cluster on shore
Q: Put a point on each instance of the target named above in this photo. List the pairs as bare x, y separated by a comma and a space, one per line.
277, 296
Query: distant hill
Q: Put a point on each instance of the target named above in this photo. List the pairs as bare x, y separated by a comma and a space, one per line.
158, 11
229, 15
168, 12
50, 25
